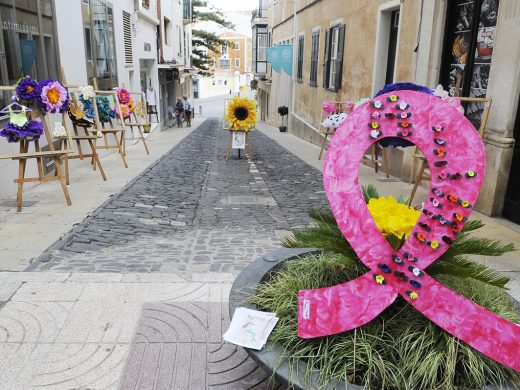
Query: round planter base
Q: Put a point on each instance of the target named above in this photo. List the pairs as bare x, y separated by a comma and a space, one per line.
270, 358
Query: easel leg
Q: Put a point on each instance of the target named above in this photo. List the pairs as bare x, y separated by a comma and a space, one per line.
39, 162
66, 163
418, 180
95, 157
21, 174
249, 146
385, 162
62, 179
121, 152
375, 158
323, 144
142, 138
228, 147
24, 147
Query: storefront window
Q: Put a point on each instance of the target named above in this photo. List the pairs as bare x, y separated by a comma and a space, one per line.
27, 45
100, 46
469, 39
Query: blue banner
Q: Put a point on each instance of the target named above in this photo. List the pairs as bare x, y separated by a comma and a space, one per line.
281, 57
28, 50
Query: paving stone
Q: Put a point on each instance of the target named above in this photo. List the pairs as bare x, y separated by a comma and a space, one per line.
178, 346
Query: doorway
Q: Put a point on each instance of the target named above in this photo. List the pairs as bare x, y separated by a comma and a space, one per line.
512, 202
387, 44
392, 47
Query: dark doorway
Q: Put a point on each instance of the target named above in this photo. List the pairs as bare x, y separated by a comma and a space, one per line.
392, 47
512, 203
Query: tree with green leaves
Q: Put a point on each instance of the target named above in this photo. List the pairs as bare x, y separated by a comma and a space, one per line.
204, 41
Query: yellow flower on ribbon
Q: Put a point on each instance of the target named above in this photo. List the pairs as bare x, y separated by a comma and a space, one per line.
393, 98
380, 279
434, 244
465, 203
241, 114
413, 295
393, 218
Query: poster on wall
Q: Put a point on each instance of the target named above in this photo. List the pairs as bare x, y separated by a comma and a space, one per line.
239, 140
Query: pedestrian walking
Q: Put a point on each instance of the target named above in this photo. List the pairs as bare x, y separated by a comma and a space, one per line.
187, 110
179, 110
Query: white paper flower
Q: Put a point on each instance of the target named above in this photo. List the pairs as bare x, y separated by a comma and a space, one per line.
87, 91
440, 92
99, 134
374, 133
334, 121
59, 130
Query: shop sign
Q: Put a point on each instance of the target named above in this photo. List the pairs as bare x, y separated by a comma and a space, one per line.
20, 27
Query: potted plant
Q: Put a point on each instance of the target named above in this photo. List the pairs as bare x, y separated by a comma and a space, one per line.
283, 111
398, 350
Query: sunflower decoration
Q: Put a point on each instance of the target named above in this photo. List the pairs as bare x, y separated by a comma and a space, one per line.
241, 113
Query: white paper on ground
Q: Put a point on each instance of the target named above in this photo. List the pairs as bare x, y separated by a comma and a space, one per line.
250, 328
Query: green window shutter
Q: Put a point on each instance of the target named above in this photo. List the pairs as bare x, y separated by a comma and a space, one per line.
339, 59
326, 59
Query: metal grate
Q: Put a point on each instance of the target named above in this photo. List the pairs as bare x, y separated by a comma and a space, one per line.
127, 37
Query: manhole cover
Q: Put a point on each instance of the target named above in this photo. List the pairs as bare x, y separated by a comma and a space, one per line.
12, 203
244, 199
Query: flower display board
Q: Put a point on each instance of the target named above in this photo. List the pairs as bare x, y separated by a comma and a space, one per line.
239, 116
456, 157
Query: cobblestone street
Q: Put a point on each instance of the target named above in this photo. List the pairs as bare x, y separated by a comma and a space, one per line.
165, 250
193, 211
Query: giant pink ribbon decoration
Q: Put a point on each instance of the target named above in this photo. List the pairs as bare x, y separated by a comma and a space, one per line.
456, 156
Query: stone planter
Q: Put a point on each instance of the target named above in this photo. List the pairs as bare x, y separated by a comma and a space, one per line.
270, 358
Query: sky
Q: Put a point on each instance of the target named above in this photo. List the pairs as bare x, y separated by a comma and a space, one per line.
238, 12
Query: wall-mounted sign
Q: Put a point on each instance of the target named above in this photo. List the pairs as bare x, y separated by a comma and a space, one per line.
20, 27
147, 46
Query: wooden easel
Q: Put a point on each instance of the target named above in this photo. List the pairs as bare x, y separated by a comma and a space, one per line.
78, 137
119, 143
83, 136
422, 174
142, 127
373, 160
23, 155
249, 145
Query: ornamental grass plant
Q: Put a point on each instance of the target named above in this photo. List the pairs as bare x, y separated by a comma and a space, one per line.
399, 349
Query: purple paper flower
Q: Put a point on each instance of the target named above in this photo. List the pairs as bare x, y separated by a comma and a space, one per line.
32, 130
404, 86
52, 96
26, 88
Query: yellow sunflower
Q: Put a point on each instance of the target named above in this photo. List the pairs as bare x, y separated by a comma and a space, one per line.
241, 113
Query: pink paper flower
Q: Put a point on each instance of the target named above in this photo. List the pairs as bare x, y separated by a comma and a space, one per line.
329, 107
123, 95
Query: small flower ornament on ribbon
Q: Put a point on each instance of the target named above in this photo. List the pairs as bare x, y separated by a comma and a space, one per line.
456, 177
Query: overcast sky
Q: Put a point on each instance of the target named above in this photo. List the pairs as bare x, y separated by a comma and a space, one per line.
238, 12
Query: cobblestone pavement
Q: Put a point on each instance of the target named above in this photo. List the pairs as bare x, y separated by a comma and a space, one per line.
193, 211
135, 296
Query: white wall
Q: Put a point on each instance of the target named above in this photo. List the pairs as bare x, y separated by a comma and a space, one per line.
71, 51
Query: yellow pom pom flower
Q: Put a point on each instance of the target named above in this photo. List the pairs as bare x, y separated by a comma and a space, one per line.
393, 218
241, 114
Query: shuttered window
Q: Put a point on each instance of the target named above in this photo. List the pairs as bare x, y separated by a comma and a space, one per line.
333, 60
127, 38
299, 72
314, 58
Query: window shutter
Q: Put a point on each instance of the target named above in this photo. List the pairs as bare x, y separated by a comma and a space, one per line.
339, 59
326, 64
127, 38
